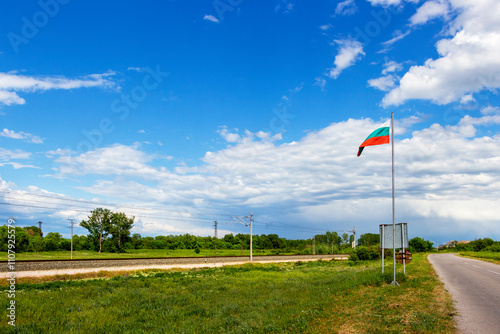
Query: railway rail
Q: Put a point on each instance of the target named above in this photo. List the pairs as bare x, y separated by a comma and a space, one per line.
34, 265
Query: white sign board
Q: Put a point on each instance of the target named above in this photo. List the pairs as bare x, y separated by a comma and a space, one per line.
386, 236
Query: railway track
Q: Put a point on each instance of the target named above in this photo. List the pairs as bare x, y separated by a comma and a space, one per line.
35, 265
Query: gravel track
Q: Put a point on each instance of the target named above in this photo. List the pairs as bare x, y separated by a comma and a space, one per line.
69, 267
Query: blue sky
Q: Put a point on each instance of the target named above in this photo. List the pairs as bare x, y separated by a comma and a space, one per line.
185, 112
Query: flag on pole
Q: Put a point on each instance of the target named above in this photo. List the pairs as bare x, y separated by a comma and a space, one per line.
378, 137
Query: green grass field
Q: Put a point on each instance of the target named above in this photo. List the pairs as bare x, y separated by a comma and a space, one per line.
312, 297
491, 256
131, 253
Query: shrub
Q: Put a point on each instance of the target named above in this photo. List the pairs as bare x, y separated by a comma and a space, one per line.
363, 253
493, 248
480, 244
420, 245
49, 244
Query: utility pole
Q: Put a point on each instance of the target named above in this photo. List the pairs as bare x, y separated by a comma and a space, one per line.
354, 232
71, 220
241, 220
314, 245
215, 225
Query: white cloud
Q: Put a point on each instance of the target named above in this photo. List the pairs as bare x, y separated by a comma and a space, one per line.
320, 82
350, 51
11, 83
7, 157
211, 18
484, 120
9, 98
114, 160
27, 137
388, 79
136, 69
442, 173
391, 66
386, 3
468, 61
384, 83
489, 110
54, 153
466, 99
430, 10
284, 6
347, 7
229, 136
17, 165
326, 27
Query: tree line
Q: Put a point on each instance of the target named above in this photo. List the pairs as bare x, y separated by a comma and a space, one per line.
111, 232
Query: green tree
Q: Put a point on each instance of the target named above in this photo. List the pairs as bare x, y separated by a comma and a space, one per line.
369, 239
22, 239
345, 240
81, 243
35, 238
136, 240
119, 227
33, 230
480, 244
418, 244
147, 242
98, 224
50, 244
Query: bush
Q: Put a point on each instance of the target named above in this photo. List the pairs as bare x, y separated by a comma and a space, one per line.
480, 244
65, 244
420, 245
493, 248
463, 247
363, 253
49, 244
197, 250
110, 246
306, 251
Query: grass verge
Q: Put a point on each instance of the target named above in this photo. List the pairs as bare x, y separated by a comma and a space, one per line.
310, 297
493, 257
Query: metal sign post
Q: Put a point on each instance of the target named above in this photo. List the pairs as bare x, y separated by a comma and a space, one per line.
382, 247
392, 237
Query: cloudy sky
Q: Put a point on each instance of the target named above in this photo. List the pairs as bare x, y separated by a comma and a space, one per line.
186, 112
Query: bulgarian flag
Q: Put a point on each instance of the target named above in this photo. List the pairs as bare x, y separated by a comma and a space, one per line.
377, 137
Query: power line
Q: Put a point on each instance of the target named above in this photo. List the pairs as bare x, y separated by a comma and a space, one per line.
140, 212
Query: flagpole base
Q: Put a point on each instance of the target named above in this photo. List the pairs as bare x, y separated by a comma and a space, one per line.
395, 283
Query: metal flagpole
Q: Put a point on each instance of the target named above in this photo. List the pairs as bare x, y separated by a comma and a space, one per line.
394, 282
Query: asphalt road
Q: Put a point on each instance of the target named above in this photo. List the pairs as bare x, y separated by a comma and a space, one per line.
475, 288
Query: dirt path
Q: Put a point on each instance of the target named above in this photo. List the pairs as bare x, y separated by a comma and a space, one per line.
39, 273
